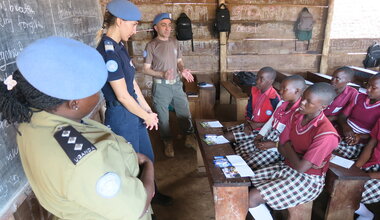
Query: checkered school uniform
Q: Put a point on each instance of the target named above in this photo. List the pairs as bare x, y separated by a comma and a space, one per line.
271, 131
359, 124
280, 185
371, 192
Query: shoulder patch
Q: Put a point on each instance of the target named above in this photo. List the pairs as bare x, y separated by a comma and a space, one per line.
108, 185
112, 66
73, 143
108, 46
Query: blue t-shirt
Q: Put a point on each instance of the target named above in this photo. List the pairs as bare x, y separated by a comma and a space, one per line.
119, 65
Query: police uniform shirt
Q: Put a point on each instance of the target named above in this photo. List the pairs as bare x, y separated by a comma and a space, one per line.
119, 65
103, 183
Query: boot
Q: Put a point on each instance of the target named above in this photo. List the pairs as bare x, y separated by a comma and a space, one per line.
169, 150
191, 141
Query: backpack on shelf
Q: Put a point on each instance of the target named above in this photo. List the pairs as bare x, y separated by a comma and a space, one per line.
373, 56
222, 20
303, 27
184, 30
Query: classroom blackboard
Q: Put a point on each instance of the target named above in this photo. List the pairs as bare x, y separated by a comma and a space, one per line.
22, 22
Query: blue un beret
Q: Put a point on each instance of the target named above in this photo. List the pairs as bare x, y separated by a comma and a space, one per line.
162, 16
124, 9
63, 68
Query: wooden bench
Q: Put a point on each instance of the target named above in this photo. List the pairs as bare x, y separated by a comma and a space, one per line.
345, 187
203, 105
229, 90
230, 195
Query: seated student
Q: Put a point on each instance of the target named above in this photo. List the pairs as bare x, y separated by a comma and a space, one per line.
261, 104
369, 161
345, 94
77, 168
358, 123
306, 144
256, 152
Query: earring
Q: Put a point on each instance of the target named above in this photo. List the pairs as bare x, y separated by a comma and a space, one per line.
76, 108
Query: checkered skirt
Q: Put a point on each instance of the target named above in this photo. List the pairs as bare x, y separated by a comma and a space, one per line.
371, 192
349, 151
283, 187
262, 158
255, 157
240, 135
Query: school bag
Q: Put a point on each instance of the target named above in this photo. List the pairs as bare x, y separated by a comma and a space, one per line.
222, 20
184, 30
245, 78
373, 56
303, 27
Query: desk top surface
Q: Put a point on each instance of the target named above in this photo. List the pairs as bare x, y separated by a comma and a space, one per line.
214, 173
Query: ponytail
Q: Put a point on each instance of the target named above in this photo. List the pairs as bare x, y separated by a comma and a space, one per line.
17, 104
108, 21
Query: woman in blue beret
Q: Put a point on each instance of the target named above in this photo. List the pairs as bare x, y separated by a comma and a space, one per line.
128, 114
77, 168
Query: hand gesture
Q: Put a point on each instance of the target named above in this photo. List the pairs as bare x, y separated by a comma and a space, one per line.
186, 73
151, 121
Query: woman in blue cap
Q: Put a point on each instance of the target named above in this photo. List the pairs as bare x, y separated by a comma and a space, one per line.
77, 168
127, 110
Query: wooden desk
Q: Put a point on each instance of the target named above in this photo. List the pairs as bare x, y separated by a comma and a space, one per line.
345, 187
203, 105
362, 75
229, 90
230, 195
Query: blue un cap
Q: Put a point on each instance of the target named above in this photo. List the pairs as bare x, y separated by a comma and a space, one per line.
63, 68
162, 16
124, 9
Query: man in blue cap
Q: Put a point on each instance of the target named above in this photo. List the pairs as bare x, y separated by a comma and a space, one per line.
163, 61
77, 168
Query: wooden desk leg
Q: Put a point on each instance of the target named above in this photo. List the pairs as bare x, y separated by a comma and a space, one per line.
200, 164
224, 96
301, 212
240, 109
230, 203
344, 199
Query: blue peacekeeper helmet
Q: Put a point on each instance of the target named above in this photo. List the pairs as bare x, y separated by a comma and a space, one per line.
124, 9
161, 16
63, 68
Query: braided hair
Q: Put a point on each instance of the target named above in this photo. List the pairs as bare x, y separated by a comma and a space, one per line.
17, 105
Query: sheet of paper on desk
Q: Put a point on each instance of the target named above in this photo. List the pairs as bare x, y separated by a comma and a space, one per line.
236, 160
340, 161
240, 165
211, 124
211, 140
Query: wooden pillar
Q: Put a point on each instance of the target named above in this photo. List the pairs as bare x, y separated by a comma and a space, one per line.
326, 43
223, 51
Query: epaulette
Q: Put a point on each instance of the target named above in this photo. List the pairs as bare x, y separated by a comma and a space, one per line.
108, 46
73, 143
